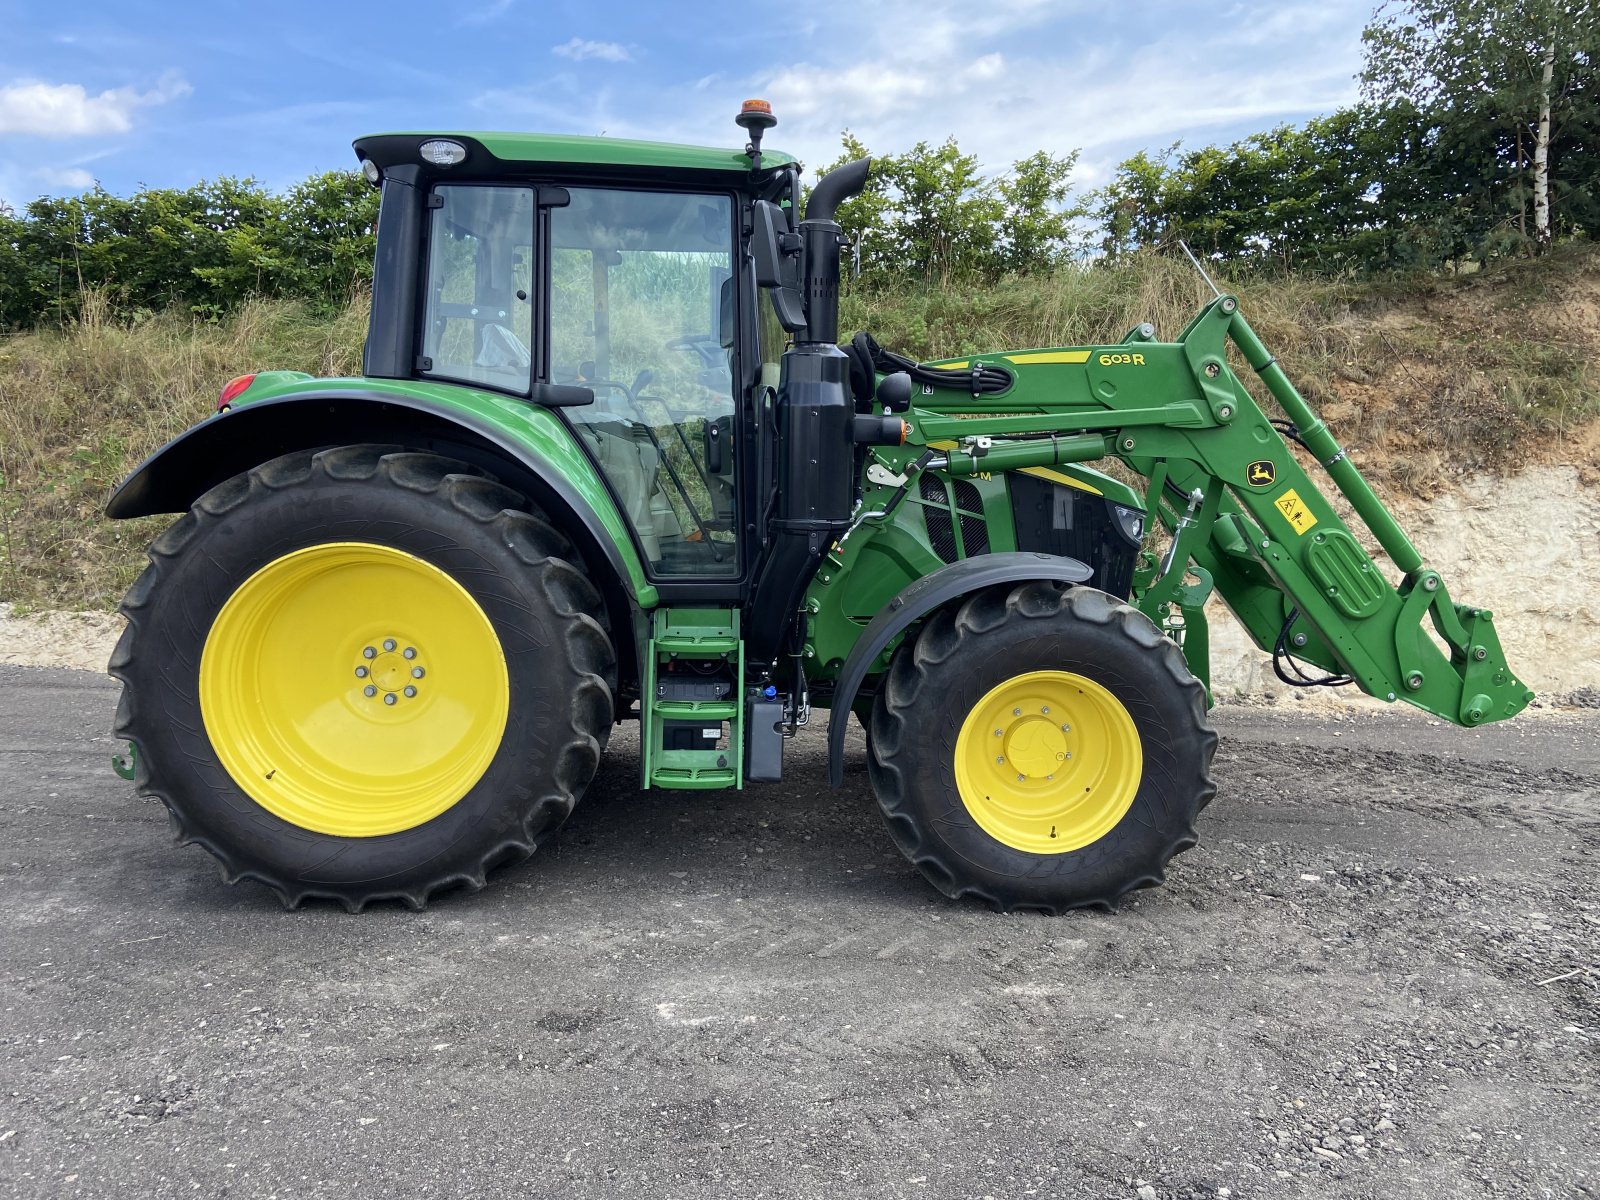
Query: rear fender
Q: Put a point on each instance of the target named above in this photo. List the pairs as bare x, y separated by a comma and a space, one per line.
931, 592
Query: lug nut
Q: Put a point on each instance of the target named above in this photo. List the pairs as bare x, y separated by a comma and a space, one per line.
1045, 710
1016, 712
369, 652
410, 691
369, 690
1000, 759
1019, 779
1066, 729
999, 733
361, 672
389, 698
388, 643
410, 652
417, 672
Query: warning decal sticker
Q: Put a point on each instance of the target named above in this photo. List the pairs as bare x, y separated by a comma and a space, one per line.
1295, 512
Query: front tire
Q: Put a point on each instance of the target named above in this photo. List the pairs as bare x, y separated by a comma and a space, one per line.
1041, 747
364, 674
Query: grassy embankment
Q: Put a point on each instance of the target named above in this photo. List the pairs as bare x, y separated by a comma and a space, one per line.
1428, 379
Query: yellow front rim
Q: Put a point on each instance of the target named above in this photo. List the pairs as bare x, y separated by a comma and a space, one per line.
1048, 762
353, 689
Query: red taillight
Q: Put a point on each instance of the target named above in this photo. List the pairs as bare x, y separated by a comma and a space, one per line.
233, 389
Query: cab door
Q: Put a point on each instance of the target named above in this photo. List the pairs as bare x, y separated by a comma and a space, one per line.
642, 310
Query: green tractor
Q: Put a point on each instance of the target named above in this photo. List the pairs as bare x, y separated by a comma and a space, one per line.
606, 461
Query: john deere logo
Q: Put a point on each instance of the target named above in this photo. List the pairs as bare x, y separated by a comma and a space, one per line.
1261, 473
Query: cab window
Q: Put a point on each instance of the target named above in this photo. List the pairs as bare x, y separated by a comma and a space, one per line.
478, 319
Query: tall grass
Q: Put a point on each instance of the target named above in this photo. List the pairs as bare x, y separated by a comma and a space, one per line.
82, 405
1425, 380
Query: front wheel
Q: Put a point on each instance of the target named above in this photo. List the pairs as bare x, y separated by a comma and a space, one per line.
1041, 747
363, 674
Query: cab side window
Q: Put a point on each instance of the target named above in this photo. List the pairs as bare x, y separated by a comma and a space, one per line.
478, 322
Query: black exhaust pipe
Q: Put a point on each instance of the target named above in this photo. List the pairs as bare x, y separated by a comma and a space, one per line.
823, 239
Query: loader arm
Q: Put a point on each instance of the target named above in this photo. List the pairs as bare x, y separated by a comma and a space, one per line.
1243, 514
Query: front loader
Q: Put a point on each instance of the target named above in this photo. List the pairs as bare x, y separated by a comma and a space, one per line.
608, 461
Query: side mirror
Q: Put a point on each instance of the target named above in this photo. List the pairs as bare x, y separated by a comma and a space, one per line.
766, 219
777, 255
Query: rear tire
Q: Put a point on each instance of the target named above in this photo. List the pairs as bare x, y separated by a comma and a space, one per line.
364, 674
1040, 747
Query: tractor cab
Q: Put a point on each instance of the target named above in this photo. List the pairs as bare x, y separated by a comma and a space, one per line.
525, 267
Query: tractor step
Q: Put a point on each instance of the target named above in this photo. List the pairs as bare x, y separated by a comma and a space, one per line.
694, 777
707, 645
691, 709
696, 710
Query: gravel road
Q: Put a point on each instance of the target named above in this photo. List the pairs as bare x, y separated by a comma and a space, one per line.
1342, 992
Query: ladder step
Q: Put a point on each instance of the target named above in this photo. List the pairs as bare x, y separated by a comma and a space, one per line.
707, 646
692, 777
695, 710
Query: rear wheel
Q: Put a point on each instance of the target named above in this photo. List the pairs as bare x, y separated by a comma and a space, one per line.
1040, 747
361, 675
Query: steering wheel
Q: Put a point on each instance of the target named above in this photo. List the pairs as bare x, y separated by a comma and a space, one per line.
707, 345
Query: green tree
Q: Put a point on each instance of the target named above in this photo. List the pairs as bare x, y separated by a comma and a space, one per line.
1522, 66
932, 214
1040, 223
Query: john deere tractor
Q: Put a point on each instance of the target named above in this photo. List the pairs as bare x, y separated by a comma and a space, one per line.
606, 461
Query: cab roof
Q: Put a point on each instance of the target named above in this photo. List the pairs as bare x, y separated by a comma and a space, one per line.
559, 149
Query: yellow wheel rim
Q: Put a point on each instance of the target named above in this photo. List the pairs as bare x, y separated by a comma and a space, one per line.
1048, 762
353, 689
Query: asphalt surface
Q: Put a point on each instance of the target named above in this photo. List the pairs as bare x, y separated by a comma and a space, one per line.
1347, 990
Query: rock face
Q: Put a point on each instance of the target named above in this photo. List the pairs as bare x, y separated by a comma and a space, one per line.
1525, 547
58, 639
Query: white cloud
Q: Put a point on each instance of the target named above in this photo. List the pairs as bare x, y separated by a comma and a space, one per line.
1039, 76
489, 12
66, 110
1005, 77
581, 48
73, 179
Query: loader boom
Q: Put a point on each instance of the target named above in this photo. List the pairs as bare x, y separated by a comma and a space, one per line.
1244, 516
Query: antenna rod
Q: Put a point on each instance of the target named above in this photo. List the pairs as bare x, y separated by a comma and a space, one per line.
1214, 290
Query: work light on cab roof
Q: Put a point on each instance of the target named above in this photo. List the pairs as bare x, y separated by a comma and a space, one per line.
442, 153
607, 461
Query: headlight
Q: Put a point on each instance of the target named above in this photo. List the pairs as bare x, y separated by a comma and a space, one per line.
1132, 522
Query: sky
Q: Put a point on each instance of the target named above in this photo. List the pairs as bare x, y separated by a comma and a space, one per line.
164, 93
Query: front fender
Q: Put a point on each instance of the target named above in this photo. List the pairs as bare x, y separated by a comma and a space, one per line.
524, 446
916, 601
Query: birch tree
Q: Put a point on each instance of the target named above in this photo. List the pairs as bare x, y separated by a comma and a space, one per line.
1519, 61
